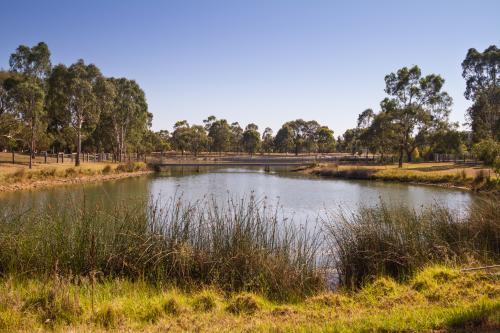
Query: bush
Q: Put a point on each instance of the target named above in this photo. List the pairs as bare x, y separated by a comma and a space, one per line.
107, 169
487, 151
70, 172
131, 167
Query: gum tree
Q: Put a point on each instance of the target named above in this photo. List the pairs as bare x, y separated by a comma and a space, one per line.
31, 66
414, 103
481, 71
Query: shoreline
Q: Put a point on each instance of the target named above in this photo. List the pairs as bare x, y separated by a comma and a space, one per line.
61, 181
371, 175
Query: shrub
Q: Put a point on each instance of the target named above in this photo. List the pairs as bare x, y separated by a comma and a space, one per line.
70, 172
487, 151
107, 169
50, 172
131, 167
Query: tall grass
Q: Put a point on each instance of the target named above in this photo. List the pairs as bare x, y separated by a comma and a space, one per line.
396, 241
243, 245
239, 246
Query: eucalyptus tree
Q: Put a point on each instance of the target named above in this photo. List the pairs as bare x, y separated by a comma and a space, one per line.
29, 102
414, 103
181, 136
267, 140
351, 141
310, 141
236, 137
32, 66
31, 62
198, 139
10, 123
380, 136
365, 120
481, 72
298, 133
251, 139
207, 124
75, 90
129, 114
283, 141
325, 139
220, 135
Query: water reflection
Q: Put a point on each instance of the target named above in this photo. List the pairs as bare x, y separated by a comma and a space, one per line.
298, 196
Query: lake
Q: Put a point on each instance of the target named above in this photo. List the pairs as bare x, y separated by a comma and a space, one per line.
297, 196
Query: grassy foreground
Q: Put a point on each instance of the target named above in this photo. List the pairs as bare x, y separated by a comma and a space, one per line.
203, 266
435, 298
442, 174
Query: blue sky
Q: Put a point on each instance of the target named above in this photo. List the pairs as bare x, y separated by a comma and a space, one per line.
262, 61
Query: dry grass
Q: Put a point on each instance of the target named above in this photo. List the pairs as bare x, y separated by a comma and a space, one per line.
444, 174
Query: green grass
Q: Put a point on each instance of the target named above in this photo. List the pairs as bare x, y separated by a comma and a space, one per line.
240, 267
435, 298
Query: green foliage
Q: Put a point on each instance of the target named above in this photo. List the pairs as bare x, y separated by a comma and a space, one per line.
480, 70
487, 151
251, 139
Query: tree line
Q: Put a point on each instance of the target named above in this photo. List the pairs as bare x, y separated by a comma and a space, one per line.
218, 135
69, 108
75, 108
413, 119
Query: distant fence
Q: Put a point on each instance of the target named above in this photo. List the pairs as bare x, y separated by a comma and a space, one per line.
233, 157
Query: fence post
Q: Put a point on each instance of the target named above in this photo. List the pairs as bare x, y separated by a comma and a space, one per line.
62, 157
45, 157
13, 159
57, 157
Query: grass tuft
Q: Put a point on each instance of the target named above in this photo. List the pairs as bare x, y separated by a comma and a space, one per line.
243, 304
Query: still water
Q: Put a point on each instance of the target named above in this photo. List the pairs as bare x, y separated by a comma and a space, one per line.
296, 196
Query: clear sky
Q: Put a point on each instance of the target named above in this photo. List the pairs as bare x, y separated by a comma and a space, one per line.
262, 61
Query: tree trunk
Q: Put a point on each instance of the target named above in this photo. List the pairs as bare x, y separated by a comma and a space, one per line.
400, 162
78, 145
32, 145
408, 155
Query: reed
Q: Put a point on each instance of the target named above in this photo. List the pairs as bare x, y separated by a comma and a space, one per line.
238, 246
396, 241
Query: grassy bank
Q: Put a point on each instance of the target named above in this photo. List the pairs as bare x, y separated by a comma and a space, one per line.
442, 174
19, 177
240, 267
435, 298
